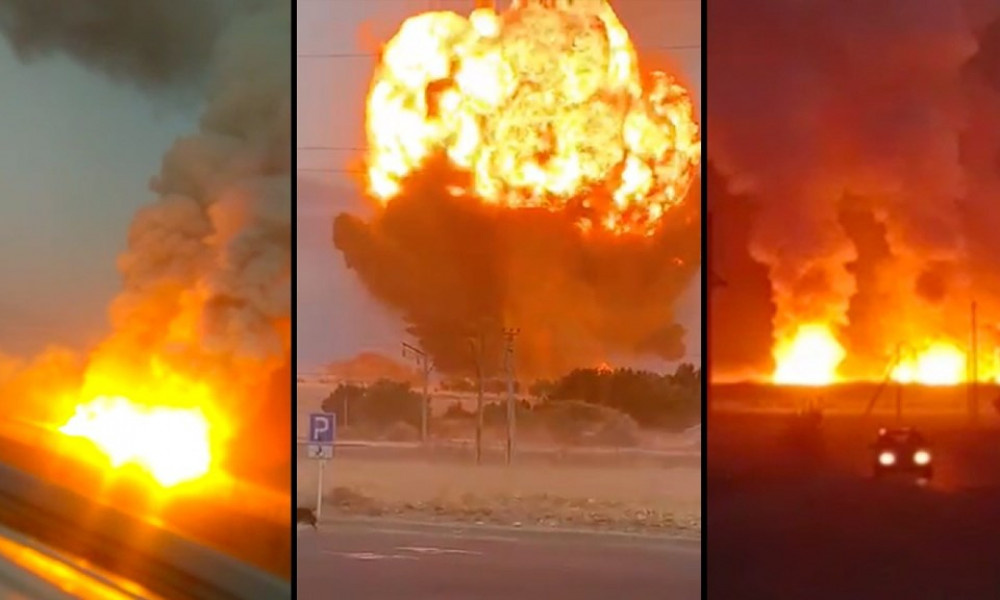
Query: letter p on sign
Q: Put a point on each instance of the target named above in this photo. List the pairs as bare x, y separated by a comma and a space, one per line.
321, 428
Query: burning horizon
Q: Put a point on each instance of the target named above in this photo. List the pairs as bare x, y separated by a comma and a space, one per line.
868, 197
527, 172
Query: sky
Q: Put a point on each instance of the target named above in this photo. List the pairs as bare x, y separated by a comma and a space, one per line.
77, 153
336, 318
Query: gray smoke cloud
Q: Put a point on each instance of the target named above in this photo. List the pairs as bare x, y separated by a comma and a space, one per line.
154, 43
221, 233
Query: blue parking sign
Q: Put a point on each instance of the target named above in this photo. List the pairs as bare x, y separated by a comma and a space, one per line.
322, 427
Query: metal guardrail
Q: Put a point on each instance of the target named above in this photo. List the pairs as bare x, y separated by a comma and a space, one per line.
51, 513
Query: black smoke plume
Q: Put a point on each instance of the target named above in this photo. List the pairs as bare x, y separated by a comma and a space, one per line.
459, 271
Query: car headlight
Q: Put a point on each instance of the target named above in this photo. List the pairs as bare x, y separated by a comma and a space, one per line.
922, 457
886, 459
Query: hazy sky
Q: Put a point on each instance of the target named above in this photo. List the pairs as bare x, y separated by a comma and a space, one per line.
335, 314
76, 156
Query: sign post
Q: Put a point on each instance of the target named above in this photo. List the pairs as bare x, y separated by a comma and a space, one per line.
322, 432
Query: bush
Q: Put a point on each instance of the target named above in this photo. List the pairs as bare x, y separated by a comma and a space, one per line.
669, 401
455, 410
401, 432
379, 405
573, 422
495, 413
621, 431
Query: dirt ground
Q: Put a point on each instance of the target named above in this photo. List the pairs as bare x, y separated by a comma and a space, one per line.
653, 487
639, 498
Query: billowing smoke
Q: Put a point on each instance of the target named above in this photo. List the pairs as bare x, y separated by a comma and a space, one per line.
216, 246
206, 273
866, 134
456, 268
153, 43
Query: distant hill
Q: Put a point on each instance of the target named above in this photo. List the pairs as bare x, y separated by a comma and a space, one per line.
369, 367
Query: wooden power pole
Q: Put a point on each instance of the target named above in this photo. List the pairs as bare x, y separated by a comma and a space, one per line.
426, 366
478, 343
509, 335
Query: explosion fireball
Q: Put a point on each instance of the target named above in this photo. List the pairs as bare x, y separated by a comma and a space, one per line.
171, 444
163, 426
544, 105
525, 170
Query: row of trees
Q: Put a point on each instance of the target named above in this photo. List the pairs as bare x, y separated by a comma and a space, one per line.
652, 400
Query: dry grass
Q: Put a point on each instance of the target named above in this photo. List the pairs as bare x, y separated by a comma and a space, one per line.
639, 498
549, 486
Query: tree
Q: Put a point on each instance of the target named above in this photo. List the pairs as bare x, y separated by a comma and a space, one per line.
383, 403
687, 375
342, 401
387, 402
651, 399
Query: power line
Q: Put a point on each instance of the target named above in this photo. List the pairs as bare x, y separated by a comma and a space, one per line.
329, 170
468, 3
332, 149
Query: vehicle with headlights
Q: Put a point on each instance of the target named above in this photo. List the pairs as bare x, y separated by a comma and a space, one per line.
903, 452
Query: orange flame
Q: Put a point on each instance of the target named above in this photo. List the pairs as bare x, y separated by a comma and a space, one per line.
543, 105
810, 357
941, 363
171, 444
161, 427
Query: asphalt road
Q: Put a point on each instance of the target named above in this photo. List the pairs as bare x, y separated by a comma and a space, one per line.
385, 561
824, 529
831, 540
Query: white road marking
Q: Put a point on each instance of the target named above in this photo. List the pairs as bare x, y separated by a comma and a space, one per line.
449, 532
371, 555
423, 550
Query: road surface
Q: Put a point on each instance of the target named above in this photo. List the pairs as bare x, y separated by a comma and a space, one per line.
859, 540
784, 523
386, 561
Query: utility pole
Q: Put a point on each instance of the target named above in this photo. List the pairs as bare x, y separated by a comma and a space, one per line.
887, 381
477, 344
509, 335
974, 379
426, 366
899, 387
